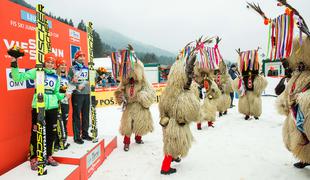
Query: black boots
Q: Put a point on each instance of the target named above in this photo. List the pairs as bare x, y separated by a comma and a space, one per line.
247, 117
79, 141
126, 147
139, 139
178, 159
87, 137
301, 165
170, 171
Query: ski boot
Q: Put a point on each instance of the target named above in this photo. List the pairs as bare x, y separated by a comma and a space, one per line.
247, 117
56, 148
87, 137
34, 164
51, 161
67, 145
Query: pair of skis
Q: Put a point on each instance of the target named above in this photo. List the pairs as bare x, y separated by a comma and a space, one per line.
62, 137
43, 46
92, 83
42, 43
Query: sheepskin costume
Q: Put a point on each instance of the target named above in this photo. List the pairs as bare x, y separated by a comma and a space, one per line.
224, 82
208, 108
250, 87
204, 77
294, 103
136, 95
178, 106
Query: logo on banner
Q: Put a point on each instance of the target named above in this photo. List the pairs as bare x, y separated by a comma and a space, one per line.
74, 35
12, 85
26, 16
93, 156
30, 47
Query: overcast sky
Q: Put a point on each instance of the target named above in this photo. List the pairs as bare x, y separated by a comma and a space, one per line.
170, 24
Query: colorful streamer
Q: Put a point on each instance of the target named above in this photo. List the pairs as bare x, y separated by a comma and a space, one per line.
249, 60
280, 37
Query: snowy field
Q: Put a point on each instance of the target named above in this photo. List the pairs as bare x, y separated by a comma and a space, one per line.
234, 149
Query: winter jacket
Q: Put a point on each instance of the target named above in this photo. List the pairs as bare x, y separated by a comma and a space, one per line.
233, 74
81, 72
51, 87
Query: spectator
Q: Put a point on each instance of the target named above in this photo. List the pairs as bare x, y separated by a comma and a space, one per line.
233, 72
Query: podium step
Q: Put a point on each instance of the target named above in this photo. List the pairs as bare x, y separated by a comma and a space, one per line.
88, 156
63, 171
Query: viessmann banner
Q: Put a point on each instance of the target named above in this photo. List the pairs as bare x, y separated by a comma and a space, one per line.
17, 27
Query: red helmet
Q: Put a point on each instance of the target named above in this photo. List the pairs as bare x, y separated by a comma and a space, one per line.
50, 57
60, 61
78, 54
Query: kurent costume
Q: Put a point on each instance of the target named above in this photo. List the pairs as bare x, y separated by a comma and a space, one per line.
208, 63
251, 85
179, 105
136, 95
294, 98
224, 82
209, 107
294, 103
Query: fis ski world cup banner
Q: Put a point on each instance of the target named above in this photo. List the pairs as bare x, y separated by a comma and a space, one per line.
18, 28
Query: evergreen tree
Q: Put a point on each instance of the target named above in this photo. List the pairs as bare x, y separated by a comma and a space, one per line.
82, 26
98, 46
66, 21
23, 3
71, 23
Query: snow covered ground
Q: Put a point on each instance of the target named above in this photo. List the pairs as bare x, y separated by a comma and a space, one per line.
234, 149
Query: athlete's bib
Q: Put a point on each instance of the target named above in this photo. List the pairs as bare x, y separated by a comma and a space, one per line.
50, 83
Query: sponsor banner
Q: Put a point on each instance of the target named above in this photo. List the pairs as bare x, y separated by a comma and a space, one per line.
12, 85
93, 156
18, 28
105, 96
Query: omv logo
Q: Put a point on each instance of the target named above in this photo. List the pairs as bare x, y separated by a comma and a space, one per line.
12, 85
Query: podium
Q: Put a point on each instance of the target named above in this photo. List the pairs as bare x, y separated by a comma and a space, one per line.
63, 171
88, 156
79, 161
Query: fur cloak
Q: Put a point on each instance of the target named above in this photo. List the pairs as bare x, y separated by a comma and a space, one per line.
294, 140
178, 107
136, 99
